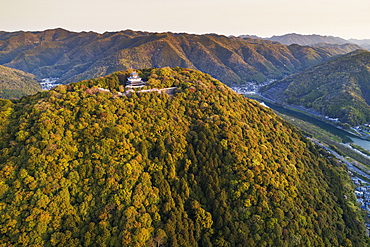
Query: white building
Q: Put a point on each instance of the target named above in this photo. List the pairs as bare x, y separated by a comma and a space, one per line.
134, 81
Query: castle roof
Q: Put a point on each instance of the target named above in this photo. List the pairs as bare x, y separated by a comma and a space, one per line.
134, 80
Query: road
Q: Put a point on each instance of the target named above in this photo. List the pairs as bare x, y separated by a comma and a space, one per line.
350, 166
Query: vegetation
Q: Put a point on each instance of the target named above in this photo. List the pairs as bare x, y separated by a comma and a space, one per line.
331, 140
15, 83
338, 88
205, 167
78, 56
361, 149
334, 141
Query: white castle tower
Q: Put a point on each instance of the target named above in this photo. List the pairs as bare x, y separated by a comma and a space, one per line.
134, 81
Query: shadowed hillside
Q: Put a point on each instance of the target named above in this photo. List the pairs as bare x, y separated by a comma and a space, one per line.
15, 83
337, 88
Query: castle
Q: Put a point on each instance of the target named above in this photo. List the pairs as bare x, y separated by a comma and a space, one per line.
134, 81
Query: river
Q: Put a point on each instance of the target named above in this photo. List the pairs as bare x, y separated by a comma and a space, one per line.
345, 136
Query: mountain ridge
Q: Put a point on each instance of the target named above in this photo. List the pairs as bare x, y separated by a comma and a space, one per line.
312, 40
74, 56
338, 88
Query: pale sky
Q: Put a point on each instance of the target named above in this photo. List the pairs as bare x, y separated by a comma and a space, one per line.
264, 18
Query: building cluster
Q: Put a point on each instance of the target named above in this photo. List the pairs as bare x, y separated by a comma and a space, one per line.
48, 83
363, 129
363, 198
250, 87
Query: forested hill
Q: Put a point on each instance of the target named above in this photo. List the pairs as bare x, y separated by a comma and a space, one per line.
81, 166
339, 88
15, 83
76, 56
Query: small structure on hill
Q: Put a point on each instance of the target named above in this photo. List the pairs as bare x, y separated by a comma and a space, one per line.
134, 81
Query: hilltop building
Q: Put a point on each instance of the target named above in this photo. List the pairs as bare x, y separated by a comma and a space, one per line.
134, 81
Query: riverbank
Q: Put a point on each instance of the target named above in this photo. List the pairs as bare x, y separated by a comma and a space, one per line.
334, 140
315, 127
314, 124
311, 113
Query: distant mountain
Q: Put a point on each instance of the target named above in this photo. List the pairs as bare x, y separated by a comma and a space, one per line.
312, 39
316, 40
339, 49
250, 36
203, 167
365, 43
75, 56
337, 88
15, 83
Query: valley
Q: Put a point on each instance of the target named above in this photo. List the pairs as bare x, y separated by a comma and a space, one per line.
106, 154
184, 124
337, 88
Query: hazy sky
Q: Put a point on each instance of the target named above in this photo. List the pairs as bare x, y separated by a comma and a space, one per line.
343, 18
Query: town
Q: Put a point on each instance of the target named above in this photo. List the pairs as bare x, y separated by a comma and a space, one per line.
363, 197
48, 83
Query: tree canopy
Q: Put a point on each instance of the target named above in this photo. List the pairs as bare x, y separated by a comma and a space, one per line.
203, 167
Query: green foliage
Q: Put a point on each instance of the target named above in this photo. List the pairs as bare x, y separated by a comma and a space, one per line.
338, 88
15, 83
205, 167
